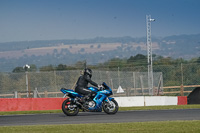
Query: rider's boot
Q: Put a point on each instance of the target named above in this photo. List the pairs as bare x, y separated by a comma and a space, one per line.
85, 98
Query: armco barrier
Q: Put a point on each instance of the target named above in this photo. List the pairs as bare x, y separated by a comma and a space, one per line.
29, 104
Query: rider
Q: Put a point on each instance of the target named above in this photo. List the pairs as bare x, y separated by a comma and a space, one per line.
82, 84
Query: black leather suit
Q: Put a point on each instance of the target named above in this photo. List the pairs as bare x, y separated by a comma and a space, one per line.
82, 85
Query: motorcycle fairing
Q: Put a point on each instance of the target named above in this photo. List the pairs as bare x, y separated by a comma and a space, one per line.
99, 98
93, 89
70, 92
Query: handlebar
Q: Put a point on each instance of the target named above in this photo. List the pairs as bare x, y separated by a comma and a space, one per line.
101, 87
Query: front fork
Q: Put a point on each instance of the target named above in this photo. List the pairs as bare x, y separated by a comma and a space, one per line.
108, 100
111, 105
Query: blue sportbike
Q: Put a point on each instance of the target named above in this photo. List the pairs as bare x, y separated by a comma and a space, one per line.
99, 100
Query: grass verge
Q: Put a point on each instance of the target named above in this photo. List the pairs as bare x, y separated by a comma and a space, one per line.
141, 127
195, 106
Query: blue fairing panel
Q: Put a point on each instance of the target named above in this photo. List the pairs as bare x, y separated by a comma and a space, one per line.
69, 91
93, 89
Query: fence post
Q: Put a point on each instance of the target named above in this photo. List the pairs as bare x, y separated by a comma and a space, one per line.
159, 85
35, 93
18, 95
111, 82
182, 89
15, 94
141, 82
134, 80
127, 92
55, 79
45, 94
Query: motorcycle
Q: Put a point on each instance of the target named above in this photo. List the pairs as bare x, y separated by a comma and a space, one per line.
99, 100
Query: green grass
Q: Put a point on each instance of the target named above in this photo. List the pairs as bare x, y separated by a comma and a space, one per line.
140, 127
195, 106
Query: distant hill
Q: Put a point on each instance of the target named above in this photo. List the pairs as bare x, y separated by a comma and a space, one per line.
12, 46
97, 50
182, 46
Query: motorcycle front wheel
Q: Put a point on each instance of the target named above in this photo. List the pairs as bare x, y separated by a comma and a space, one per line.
69, 108
110, 107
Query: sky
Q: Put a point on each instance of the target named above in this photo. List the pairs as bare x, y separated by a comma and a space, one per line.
27, 20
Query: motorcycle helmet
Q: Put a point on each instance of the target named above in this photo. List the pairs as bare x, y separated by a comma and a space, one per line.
88, 71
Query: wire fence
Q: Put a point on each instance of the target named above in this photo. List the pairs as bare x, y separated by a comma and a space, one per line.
133, 80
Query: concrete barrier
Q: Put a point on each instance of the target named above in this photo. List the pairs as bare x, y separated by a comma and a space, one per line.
151, 101
130, 101
30, 104
160, 100
182, 100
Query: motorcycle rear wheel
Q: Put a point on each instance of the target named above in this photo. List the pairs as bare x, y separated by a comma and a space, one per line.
69, 108
110, 108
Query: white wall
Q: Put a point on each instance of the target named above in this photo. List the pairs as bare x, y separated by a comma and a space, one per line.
130, 101
146, 101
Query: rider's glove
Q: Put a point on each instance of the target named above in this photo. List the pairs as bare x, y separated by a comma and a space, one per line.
99, 87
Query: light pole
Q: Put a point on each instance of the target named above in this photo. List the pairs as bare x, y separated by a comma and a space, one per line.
149, 54
26, 67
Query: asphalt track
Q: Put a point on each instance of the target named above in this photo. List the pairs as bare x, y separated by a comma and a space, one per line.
94, 117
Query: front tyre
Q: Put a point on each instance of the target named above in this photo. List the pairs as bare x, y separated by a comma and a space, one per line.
110, 107
69, 108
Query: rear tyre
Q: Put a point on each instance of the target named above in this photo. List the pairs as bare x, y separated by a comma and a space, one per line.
110, 107
69, 108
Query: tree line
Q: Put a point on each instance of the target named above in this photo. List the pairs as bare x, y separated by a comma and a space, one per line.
54, 77
133, 61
